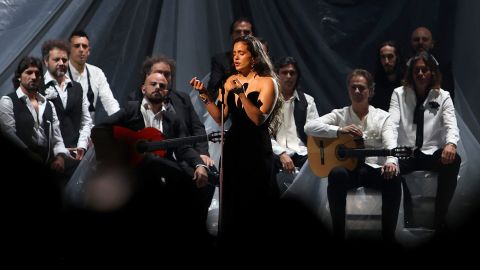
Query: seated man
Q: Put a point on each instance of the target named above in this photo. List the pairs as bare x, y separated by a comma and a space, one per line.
424, 116
374, 126
179, 104
162, 181
289, 143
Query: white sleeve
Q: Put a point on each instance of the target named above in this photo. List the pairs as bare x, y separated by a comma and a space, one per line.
312, 112
450, 121
325, 126
7, 122
389, 139
105, 94
7, 119
85, 125
57, 139
395, 113
277, 148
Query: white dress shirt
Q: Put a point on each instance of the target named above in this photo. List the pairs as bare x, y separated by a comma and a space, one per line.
100, 87
376, 126
8, 126
440, 124
150, 118
86, 123
287, 139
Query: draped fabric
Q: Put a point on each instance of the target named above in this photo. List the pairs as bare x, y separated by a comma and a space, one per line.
327, 37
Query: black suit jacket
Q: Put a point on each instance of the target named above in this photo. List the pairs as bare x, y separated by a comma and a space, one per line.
131, 117
221, 69
184, 109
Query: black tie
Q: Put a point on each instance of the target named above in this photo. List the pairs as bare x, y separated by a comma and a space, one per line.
418, 119
90, 95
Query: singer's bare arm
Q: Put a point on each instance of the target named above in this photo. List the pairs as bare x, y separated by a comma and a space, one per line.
211, 107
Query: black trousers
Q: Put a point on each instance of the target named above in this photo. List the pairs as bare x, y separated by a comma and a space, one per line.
298, 161
341, 180
447, 180
168, 190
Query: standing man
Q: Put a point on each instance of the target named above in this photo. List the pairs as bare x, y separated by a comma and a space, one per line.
375, 127
424, 116
388, 74
422, 41
289, 143
30, 120
94, 83
222, 63
67, 96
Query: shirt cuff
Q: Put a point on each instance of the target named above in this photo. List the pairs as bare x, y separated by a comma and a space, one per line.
202, 165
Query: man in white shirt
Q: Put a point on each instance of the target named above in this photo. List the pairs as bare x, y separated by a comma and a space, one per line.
374, 126
424, 116
289, 142
67, 96
30, 120
94, 83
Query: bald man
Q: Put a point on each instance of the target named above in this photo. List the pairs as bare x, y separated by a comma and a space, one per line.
422, 40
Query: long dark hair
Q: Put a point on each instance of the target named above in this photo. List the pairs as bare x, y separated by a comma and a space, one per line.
263, 67
26, 62
431, 63
399, 68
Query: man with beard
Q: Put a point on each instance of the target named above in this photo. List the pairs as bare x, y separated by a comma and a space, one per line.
92, 78
163, 190
67, 96
388, 74
30, 120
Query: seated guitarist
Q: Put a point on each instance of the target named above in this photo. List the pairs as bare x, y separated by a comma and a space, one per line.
374, 126
162, 179
179, 103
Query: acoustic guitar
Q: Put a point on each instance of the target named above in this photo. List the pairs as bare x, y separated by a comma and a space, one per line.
152, 140
324, 154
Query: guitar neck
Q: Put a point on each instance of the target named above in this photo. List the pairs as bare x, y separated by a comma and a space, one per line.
365, 152
173, 143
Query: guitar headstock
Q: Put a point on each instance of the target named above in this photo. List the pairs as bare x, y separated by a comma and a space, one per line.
215, 136
402, 152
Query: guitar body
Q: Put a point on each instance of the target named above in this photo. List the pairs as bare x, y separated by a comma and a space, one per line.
131, 138
323, 153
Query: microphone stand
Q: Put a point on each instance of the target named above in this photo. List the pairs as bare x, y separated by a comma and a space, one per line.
222, 140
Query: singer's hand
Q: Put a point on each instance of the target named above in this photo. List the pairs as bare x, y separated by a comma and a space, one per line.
198, 85
238, 88
202, 91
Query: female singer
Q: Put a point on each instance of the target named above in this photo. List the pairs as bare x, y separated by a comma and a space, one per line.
251, 96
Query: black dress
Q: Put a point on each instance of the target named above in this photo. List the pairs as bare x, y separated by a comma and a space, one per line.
248, 161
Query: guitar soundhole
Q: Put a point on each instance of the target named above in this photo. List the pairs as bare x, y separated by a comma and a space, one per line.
340, 151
